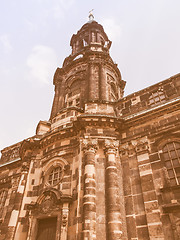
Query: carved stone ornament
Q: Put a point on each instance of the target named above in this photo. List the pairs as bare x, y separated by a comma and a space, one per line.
15, 181
141, 144
48, 203
10, 154
89, 144
127, 149
111, 144
25, 167
64, 217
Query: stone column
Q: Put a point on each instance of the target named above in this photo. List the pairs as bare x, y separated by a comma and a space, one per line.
89, 198
64, 221
114, 221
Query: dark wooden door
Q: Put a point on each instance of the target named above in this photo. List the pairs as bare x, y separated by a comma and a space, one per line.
46, 229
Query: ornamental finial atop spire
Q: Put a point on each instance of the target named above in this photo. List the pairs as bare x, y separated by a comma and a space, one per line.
91, 16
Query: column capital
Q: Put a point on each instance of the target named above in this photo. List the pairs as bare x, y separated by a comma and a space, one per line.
89, 145
111, 146
141, 145
127, 149
135, 147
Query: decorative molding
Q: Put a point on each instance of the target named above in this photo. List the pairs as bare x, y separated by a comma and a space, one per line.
65, 212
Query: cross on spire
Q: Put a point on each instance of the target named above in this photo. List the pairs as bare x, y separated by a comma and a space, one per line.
91, 16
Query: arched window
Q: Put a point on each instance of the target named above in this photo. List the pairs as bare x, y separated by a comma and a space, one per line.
112, 88
74, 94
171, 157
55, 175
3, 196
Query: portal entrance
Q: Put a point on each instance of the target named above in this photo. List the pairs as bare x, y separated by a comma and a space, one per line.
46, 229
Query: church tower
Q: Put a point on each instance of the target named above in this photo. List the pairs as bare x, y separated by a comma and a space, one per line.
89, 79
86, 89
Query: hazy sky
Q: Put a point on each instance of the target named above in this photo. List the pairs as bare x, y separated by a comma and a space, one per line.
34, 40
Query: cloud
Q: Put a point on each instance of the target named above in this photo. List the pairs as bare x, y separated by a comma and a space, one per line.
4, 39
42, 62
112, 29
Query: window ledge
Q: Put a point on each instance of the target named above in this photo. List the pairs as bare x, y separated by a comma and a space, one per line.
171, 207
170, 188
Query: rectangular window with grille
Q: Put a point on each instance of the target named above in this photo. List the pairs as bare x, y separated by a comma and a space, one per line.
171, 157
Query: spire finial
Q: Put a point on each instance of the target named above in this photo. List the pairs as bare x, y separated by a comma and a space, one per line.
91, 16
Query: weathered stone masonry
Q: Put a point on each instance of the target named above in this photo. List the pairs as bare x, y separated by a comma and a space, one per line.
104, 166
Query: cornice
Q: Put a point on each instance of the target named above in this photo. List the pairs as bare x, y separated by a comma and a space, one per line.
98, 58
150, 113
85, 120
6, 164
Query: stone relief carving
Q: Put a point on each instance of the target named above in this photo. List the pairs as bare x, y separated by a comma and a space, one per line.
25, 167
64, 217
10, 154
48, 203
134, 146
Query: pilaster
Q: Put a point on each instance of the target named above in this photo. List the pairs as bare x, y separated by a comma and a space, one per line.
93, 84
103, 95
64, 221
149, 194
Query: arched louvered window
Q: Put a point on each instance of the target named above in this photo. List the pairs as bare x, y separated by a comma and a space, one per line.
171, 156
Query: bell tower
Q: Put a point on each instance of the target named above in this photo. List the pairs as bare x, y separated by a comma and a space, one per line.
89, 81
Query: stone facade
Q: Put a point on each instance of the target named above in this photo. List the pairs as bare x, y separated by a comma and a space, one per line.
104, 166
